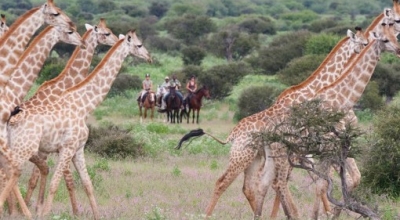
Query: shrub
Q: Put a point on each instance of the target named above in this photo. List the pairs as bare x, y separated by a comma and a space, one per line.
388, 78
299, 69
113, 142
124, 82
321, 43
164, 44
320, 25
260, 25
371, 98
193, 55
255, 99
51, 68
221, 79
280, 51
381, 168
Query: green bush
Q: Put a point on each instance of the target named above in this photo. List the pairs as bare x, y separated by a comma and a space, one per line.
388, 78
299, 69
321, 43
124, 82
193, 55
255, 99
280, 51
164, 44
381, 168
259, 25
221, 79
51, 68
371, 99
113, 142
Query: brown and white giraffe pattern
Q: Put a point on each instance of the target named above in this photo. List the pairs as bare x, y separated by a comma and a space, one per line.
59, 126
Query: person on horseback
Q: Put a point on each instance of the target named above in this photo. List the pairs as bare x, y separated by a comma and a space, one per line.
191, 87
165, 86
147, 86
173, 83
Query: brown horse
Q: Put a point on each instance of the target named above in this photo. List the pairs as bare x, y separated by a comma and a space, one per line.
148, 103
194, 102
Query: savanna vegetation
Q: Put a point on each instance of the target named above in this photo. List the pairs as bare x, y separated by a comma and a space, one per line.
247, 52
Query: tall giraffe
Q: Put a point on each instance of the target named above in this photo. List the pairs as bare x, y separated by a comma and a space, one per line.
60, 126
246, 155
14, 41
30, 63
3, 25
74, 72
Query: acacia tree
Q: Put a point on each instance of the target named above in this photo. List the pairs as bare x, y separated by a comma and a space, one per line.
311, 129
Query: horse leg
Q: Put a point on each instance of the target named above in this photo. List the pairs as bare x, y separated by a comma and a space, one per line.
198, 113
193, 115
188, 115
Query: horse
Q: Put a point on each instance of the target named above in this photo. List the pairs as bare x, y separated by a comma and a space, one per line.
173, 106
194, 103
161, 91
148, 103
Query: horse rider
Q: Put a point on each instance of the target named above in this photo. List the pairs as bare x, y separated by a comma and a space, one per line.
165, 86
147, 86
191, 87
172, 83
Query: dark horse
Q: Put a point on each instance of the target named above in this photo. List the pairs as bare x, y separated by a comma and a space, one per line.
148, 103
194, 102
173, 106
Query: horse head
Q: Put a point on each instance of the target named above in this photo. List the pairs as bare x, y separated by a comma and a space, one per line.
152, 97
206, 92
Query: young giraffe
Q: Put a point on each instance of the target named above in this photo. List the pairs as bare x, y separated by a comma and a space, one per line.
239, 162
74, 72
14, 41
3, 25
60, 126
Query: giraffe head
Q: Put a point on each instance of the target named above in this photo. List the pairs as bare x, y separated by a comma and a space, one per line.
358, 39
135, 45
103, 34
396, 16
3, 25
69, 35
386, 37
53, 15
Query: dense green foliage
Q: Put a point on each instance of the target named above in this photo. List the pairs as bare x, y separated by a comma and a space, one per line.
381, 168
255, 99
193, 55
123, 83
113, 142
371, 98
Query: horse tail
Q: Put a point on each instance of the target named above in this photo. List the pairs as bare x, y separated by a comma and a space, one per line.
197, 133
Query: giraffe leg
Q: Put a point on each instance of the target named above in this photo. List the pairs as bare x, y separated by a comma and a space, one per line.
32, 184
249, 183
69, 182
80, 165
41, 169
236, 166
12, 205
64, 159
275, 207
21, 201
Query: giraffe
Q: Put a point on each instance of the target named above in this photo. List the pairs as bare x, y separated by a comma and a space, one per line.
60, 126
74, 72
243, 152
3, 25
30, 63
14, 41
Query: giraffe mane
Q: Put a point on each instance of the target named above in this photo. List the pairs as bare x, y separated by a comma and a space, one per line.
17, 23
98, 67
374, 23
69, 63
313, 75
350, 68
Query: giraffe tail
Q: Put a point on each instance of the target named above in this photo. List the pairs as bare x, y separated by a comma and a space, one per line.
196, 133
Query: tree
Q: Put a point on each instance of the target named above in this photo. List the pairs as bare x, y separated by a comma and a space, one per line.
255, 99
280, 51
371, 98
193, 55
321, 43
190, 28
258, 25
158, 9
311, 129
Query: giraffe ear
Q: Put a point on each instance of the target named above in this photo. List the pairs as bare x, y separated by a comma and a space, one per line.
387, 12
121, 36
373, 35
88, 27
351, 34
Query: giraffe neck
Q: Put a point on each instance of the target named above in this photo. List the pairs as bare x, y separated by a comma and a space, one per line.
14, 41
347, 90
88, 94
74, 72
329, 70
23, 75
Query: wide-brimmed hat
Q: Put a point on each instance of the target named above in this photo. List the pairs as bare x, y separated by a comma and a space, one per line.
147, 75
166, 77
